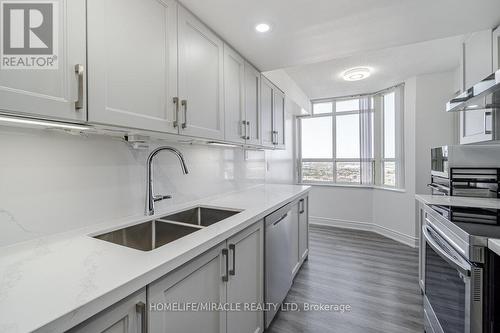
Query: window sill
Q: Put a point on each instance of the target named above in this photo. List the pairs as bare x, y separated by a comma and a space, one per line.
371, 187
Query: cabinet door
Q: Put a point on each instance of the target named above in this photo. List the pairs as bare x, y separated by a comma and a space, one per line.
201, 87
199, 281
294, 239
127, 316
478, 57
303, 228
252, 104
476, 126
234, 112
132, 52
267, 106
496, 49
279, 119
51, 93
246, 279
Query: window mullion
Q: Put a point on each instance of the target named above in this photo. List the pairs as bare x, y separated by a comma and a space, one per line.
334, 141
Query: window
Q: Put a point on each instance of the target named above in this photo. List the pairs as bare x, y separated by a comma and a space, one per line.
352, 141
389, 139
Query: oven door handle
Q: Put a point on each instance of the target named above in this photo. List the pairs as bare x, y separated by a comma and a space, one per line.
464, 269
439, 188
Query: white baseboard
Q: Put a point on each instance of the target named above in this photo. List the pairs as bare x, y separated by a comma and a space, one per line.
366, 226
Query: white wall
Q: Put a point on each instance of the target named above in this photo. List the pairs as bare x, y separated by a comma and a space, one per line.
434, 127
52, 182
293, 92
392, 213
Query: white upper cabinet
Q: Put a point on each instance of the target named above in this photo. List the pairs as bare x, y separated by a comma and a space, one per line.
234, 90
52, 91
201, 86
273, 115
267, 106
132, 54
496, 49
279, 119
478, 57
252, 105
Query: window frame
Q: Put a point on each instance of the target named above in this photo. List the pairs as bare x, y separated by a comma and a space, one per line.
334, 160
377, 161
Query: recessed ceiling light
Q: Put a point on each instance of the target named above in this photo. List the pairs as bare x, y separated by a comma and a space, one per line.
475, 106
356, 74
262, 27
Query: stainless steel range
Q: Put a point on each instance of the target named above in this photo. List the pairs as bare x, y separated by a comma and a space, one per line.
455, 268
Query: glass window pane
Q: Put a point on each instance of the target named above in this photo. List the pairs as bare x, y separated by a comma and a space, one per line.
317, 171
390, 173
347, 105
389, 126
347, 139
319, 108
317, 137
348, 172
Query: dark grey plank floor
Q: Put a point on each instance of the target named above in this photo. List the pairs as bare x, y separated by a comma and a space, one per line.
376, 276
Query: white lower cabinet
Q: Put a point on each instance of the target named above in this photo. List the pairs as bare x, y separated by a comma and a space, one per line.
126, 316
294, 239
299, 236
200, 281
303, 228
231, 273
246, 279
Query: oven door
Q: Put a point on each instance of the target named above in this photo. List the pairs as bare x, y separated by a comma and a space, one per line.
439, 162
453, 288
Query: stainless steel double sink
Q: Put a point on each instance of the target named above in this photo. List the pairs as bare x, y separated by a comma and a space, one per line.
152, 234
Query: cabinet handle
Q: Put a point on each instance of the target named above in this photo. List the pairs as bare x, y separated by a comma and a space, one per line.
487, 114
141, 309
225, 254
79, 70
275, 137
176, 103
232, 248
302, 206
243, 129
184, 103
247, 133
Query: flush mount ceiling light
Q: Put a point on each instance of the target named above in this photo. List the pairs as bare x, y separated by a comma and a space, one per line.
262, 27
356, 73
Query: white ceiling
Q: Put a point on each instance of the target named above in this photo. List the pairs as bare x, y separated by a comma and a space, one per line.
309, 31
390, 66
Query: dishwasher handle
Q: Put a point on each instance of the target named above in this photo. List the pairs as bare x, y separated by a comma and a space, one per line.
280, 219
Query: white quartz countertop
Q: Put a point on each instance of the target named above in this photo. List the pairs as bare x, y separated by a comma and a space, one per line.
52, 284
494, 245
458, 201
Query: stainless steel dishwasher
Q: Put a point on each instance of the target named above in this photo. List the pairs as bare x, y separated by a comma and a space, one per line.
277, 262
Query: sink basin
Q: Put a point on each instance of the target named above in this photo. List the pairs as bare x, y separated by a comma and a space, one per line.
148, 235
200, 216
152, 234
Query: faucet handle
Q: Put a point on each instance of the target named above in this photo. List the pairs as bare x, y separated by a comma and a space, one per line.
157, 198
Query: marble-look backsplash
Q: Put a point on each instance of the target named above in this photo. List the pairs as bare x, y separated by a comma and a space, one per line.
51, 182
